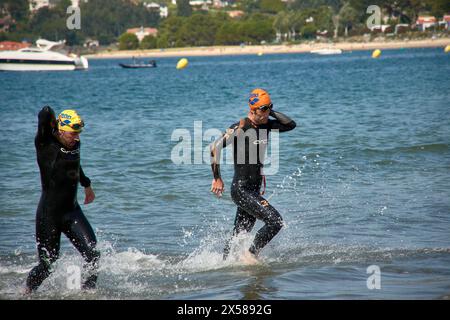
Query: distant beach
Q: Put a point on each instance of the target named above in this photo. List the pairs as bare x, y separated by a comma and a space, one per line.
271, 49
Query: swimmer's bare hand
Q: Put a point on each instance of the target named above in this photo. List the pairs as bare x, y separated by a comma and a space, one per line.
89, 195
217, 187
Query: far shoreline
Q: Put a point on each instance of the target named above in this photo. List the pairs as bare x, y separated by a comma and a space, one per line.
269, 49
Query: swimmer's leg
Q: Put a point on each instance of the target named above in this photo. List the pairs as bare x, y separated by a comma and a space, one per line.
255, 205
80, 233
242, 222
48, 238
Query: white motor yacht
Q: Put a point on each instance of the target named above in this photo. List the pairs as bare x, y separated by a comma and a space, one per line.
327, 51
41, 58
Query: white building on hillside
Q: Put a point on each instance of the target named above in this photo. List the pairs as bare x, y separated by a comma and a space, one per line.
142, 32
163, 10
425, 22
76, 3
35, 5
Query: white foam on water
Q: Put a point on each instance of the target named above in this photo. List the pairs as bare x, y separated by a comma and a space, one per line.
133, 273
119, 271
207, 257
132, 260
14, 268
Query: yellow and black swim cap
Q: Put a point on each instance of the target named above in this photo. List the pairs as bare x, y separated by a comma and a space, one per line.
70, 121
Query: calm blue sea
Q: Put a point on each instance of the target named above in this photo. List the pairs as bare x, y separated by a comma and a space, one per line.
363, 182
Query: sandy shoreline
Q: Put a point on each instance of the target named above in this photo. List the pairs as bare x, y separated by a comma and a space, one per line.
270, 49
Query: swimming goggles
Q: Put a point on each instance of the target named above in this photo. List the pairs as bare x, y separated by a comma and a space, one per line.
266, 107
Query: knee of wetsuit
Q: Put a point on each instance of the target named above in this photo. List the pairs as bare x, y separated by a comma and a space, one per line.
276, 223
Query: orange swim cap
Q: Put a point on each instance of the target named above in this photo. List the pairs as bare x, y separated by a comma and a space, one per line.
258, 98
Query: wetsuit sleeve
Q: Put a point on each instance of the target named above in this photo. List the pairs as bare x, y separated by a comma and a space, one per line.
46, 125
217, 146
84, 181
282, 122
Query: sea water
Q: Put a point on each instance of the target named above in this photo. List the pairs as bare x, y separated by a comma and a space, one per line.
362, 182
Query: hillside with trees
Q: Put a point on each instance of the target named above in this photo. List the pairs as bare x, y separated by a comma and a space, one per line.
262, 21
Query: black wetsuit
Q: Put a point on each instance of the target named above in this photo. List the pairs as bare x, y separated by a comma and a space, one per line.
250, 143
58, 210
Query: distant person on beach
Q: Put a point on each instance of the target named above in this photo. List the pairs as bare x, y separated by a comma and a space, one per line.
250, 137
57, 145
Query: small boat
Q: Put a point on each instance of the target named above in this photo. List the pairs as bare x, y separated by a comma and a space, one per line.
326, 51
134, 65
41, 58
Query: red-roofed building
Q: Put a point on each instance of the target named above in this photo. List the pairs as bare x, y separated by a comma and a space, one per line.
445, 22
235, 13
142, 32
425, 22
11, 45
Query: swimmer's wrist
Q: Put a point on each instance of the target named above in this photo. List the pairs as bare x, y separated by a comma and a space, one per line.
215, 170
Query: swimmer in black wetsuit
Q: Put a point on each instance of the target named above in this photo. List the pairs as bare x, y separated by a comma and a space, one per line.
250, 137
58, 155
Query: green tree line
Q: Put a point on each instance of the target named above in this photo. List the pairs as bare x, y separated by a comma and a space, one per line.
214, 29
263, 20
103, 20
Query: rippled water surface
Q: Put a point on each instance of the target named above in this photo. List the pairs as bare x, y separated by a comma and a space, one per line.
363, 180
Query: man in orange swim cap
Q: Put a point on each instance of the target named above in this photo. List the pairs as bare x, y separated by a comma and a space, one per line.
250, 132
260, 106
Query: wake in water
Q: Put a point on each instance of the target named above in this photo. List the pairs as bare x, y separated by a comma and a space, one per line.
123, 274
134, 274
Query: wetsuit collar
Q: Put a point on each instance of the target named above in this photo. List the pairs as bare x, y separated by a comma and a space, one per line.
61, 142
